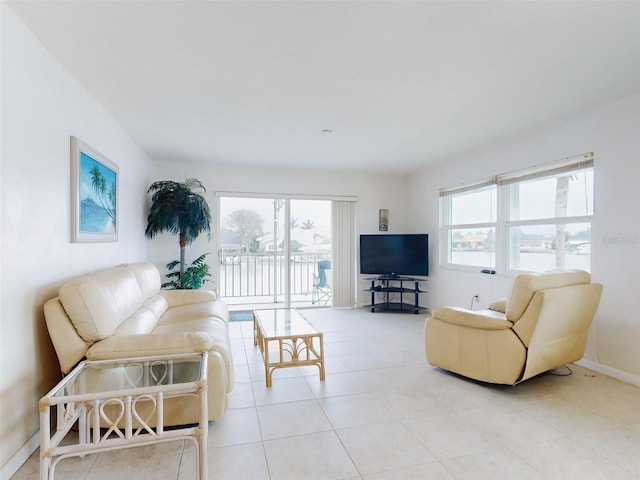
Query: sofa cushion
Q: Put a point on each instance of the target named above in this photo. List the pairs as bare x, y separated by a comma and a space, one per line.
194, 311
157, 305
185, 297
147, 276
483, 319
216, 330
131, 346
142, 321
98, 303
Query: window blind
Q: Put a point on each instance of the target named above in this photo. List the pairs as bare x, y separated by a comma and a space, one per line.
570, 164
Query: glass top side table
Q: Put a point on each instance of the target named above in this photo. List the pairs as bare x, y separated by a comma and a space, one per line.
125, 397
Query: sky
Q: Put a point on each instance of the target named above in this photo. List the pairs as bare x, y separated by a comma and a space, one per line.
319, 211
86, 190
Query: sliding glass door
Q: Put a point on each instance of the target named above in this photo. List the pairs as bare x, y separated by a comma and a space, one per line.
310, 251
271, 251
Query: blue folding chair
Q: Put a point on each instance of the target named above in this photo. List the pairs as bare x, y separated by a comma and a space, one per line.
321, 290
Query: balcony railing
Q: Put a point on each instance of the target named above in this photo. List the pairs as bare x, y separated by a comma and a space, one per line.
262, 274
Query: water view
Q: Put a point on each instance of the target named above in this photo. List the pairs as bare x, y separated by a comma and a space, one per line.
528, 261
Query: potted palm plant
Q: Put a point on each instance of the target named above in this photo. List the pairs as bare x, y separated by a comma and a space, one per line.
193, 276
179, 208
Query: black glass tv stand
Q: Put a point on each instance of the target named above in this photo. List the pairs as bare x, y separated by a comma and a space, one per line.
386, 287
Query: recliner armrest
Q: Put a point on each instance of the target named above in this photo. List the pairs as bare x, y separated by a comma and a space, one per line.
146, 345
481, 319
499, 305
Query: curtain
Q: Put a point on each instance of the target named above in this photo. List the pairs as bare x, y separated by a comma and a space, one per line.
344, 261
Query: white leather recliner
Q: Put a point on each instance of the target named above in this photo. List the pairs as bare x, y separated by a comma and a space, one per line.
544, 324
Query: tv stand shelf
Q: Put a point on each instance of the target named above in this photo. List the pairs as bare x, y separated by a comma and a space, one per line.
386, 286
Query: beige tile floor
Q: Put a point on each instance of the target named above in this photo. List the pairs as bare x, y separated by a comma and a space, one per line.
383, 413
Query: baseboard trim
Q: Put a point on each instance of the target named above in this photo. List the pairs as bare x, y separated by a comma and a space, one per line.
611, 372
20, 457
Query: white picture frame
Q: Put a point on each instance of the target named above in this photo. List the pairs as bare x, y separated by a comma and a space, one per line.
383, 220
95, 195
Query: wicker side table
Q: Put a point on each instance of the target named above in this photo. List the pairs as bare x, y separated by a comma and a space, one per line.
127, 396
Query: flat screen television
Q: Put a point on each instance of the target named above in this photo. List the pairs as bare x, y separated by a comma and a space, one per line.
392, 255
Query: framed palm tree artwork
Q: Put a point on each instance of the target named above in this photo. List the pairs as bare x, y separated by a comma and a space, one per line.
94, 195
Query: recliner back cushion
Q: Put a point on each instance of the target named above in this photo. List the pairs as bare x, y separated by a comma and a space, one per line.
98, 303
156, 304
148, 277
526, 284
142, 321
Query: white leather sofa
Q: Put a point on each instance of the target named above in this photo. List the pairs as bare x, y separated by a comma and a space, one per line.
544, 324
121, 312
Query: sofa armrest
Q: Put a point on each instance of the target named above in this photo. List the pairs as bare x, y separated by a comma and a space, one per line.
70, 347
185, 297
146, 345
483, 319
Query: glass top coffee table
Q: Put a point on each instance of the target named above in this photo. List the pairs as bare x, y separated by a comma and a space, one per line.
120, 404
287, 340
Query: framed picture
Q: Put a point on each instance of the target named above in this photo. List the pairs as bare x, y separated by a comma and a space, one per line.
383, 220
94, 195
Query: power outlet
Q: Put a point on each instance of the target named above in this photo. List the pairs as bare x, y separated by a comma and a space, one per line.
476, 298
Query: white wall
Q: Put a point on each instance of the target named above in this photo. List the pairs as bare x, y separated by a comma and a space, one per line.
374, 191
42, 106
613, 133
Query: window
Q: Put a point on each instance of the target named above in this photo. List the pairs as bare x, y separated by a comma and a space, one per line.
270, 246
471, 231
534, 220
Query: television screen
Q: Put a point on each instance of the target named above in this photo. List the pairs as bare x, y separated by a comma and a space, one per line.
394, 254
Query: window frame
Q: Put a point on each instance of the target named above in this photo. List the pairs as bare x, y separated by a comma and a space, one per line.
448, 228
503, 223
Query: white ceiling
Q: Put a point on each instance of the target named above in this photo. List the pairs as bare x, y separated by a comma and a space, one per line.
399, 84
